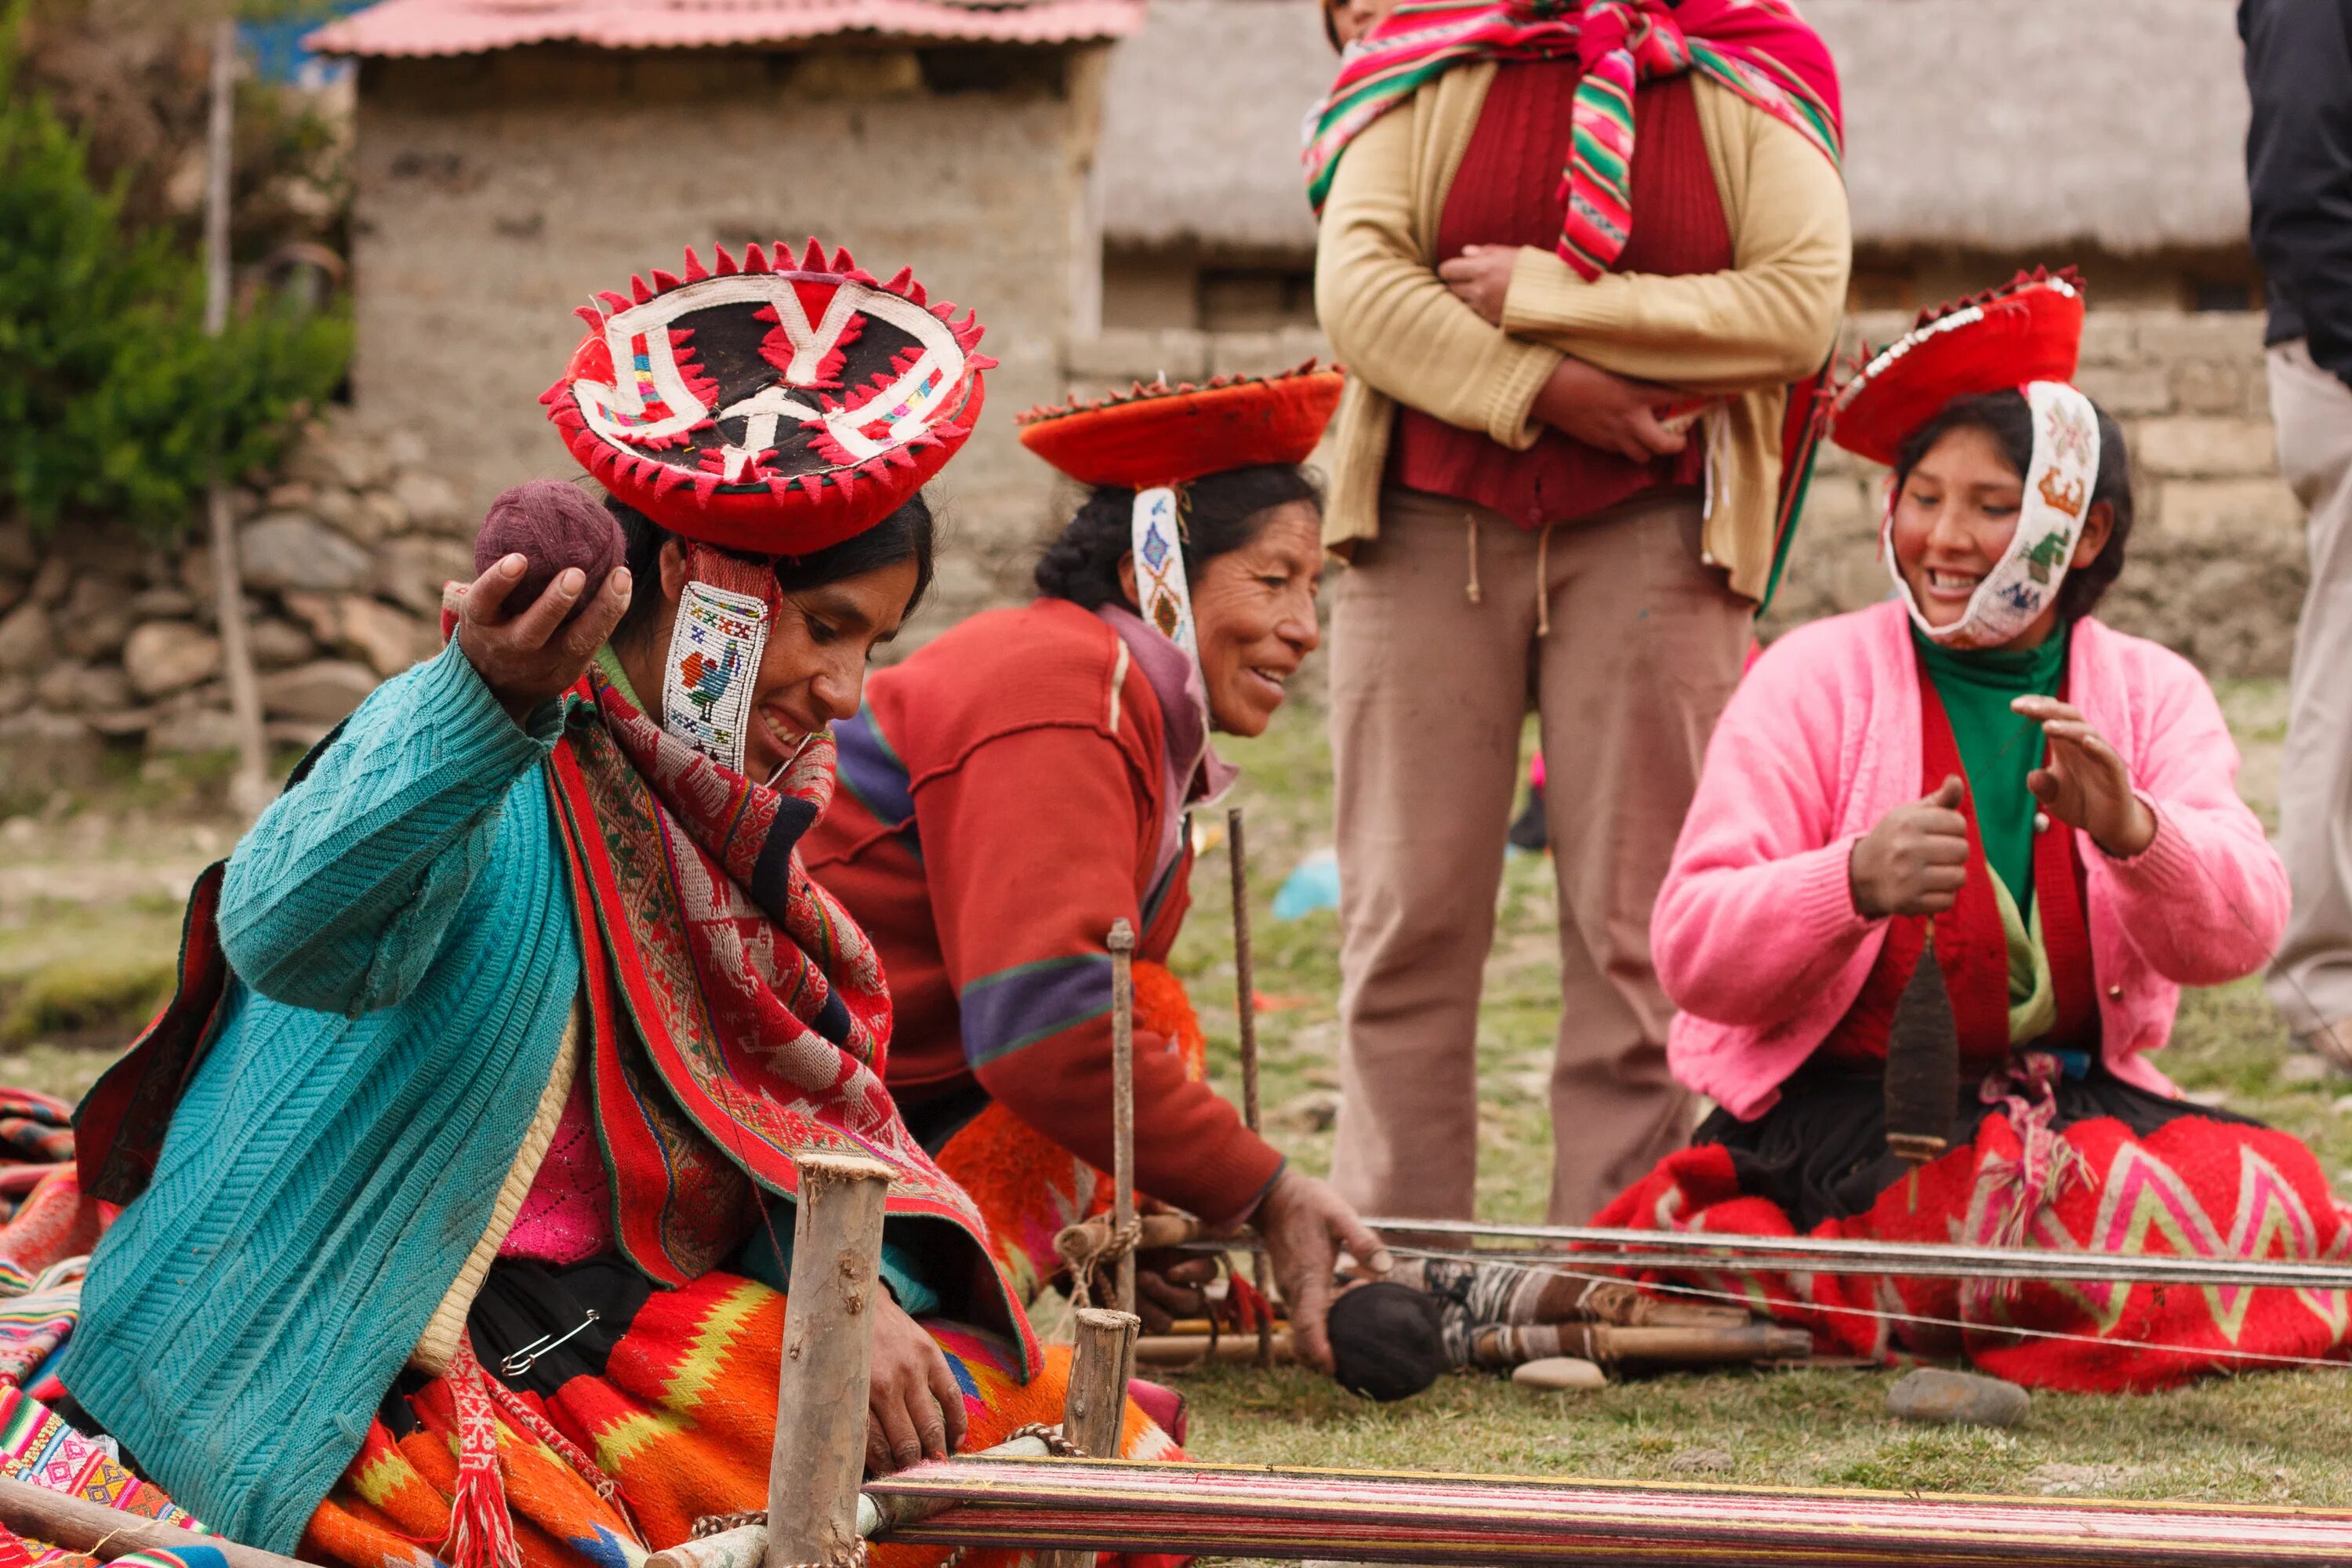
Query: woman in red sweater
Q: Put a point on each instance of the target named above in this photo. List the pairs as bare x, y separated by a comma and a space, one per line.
1024, 782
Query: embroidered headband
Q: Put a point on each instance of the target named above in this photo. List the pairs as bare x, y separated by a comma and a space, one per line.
1152, 438
2024, 337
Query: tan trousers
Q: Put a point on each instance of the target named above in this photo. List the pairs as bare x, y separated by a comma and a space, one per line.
2311, 981
1428, 692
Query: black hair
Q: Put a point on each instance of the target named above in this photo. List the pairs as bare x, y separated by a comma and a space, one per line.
906, 534
1222, 511
2008, 418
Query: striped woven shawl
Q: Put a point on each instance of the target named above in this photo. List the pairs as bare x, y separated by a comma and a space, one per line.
1760, 49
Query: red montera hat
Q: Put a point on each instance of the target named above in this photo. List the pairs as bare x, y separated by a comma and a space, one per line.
1162, 435
774, 407
2030, 329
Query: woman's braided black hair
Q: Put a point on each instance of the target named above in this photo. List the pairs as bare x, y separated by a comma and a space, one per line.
1222, 511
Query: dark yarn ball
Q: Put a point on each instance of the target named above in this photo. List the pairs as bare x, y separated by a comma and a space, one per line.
552, 525
1385, 1343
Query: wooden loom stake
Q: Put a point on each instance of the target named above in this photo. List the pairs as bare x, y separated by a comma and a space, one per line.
1245, 1004
1095, 1399
829, 1360
1122, 1103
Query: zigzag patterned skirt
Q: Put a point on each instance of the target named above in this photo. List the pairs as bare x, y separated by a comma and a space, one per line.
671, 1394
2074, 1163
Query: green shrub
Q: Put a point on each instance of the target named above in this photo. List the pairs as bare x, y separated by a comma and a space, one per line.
113, 402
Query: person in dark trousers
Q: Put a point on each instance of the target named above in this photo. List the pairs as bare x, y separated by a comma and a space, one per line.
2299, 172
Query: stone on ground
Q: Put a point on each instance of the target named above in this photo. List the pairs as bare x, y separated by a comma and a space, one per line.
1702, 1462
1561, 1374
1944, 1398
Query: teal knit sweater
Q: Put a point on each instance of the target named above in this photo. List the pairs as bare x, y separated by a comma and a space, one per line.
406, 953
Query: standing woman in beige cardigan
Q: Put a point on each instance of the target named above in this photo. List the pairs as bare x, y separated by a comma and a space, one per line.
1534, 520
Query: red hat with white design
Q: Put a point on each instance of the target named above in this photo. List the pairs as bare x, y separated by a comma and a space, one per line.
2023, 337
773, 405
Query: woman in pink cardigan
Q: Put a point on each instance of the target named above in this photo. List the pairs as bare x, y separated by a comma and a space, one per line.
1973, 829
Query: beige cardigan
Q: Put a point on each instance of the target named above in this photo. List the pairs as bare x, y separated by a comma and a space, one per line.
1743, 335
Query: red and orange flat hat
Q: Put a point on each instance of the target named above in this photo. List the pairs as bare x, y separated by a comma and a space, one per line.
774, 406
2028, 330
1157, 435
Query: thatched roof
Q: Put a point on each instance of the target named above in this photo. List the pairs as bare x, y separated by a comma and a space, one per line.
1994, 124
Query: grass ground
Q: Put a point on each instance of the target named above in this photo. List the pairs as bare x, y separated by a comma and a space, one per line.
2269, 1438
89, 905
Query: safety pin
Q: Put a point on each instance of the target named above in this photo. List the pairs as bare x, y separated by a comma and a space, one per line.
522, 1360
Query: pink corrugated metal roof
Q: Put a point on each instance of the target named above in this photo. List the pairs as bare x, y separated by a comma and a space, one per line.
477, 26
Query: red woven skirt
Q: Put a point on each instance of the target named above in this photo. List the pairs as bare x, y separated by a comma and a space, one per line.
2087, 1164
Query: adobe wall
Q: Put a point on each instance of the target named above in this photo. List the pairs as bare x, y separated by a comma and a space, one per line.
2216, 566
496, 192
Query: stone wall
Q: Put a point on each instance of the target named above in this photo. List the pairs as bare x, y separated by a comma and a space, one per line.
107, 645
495, 193
2216, 563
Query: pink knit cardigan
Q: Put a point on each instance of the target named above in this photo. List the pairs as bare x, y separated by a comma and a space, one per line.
1755, 932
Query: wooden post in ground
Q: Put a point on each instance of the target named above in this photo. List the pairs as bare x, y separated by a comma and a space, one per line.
1245, 1004
249, 788
1095, 1400
1122, 1105
819, 1449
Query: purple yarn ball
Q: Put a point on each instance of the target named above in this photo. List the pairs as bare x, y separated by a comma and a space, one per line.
552, 525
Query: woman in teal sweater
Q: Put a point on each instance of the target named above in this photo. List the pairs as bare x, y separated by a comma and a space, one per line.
495, 1034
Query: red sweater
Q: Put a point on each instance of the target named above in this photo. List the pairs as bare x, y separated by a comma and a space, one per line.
1005, 797
1509, 192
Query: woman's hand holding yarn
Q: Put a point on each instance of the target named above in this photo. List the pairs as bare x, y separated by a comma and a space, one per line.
2085, 783
531, 657
1914, 861
1306, 1226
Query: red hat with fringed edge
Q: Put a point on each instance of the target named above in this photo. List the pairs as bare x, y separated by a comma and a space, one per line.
2030, 329
1162, 435
774, 405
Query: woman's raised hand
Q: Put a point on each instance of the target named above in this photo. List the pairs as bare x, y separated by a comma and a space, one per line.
914, 1409
531, 657
2085, 783
1914, 861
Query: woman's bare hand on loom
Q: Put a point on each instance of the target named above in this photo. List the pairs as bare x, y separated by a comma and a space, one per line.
1481, 278
914, 1409
1306, 1226
531, 657
1614, 412
1914, 861
2083, 783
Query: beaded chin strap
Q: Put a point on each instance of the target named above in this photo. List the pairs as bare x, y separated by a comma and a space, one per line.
1157, 537
2058, 485
715, 649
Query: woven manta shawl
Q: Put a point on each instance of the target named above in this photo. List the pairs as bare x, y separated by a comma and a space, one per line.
724, 980
1760, 49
